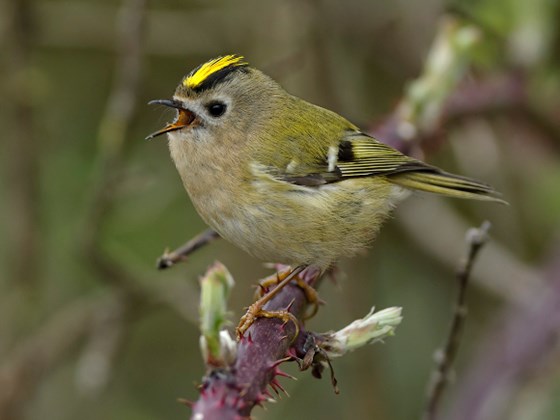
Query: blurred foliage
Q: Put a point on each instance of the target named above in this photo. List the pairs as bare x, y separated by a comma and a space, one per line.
355, 57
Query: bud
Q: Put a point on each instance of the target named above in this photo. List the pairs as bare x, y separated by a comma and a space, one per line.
217, 347
369, 329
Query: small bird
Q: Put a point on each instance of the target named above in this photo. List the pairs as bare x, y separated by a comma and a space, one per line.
283, 179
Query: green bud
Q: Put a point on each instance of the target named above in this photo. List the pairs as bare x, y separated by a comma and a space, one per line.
215, 286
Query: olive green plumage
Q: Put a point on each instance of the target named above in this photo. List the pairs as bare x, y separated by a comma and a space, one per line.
283, 179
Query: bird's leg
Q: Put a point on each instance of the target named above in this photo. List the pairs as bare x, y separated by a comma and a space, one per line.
256, 309
310, 293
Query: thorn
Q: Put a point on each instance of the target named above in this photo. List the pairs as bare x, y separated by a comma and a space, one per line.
262, 397
291, 354
267, 393
275, 384
274, 388
279, 372
290, 305
259, 398
278, 362
185, 402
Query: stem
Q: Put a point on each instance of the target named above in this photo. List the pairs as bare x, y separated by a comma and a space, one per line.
476, 238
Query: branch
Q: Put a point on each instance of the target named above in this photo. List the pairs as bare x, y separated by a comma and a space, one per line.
232, 393
240, 373
169, 259
476, 238
515, 349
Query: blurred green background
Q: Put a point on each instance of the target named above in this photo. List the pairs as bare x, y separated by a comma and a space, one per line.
90, 329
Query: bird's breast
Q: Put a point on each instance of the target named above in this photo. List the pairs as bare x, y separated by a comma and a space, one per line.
277, 221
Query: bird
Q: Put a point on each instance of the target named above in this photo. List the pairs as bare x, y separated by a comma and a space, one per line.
283, 179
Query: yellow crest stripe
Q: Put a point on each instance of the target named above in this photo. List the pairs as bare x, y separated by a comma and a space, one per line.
199, 75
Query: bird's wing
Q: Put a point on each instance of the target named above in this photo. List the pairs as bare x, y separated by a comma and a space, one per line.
355, 155
359, 155
362, 155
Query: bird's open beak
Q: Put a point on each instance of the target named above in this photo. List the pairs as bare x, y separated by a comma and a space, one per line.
184, 118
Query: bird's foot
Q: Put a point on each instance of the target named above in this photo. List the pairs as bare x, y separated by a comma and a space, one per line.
311, 294
256, 309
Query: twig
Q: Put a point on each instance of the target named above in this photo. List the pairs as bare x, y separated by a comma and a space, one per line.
500, 272
515, 349
169, 259
476, 238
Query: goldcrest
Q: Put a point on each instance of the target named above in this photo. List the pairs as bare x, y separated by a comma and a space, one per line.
283, 179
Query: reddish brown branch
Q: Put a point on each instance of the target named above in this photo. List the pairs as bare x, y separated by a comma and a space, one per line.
232, 393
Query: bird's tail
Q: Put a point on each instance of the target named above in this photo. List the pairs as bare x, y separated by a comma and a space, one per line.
439, 182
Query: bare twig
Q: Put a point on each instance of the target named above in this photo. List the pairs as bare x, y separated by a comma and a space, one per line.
169, 259
515, 349
499, 272
476, 238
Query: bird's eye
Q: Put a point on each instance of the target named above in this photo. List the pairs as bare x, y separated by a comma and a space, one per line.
216, 109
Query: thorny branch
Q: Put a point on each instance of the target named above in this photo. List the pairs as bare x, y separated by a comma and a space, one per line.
239, 373
232, 393
476, 238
